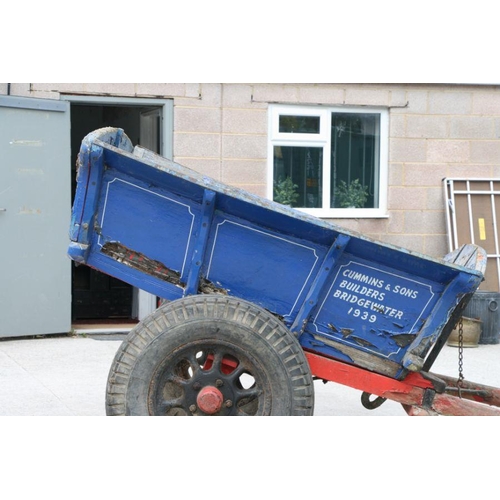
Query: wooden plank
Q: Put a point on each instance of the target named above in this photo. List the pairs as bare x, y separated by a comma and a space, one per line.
416, 393
367, 381
470, 256
447, 405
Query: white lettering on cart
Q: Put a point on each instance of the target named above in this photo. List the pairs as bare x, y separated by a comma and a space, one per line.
363, 278
406, 292
371, 305
366, 295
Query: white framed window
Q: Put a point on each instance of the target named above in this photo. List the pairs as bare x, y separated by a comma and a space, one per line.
330, 162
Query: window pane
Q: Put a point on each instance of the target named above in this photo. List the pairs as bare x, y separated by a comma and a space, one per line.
355, 160
299, 124
298, 174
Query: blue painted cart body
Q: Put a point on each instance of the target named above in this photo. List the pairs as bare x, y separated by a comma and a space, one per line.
174, 232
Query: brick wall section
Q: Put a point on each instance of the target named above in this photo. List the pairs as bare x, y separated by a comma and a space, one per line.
237, 126
436, 131
444, 131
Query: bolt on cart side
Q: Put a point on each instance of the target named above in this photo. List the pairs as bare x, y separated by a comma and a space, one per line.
260, 298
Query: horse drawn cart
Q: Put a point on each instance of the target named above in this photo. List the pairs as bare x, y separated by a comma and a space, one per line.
260, 299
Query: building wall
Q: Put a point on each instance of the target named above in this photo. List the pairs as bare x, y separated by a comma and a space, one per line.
436, 131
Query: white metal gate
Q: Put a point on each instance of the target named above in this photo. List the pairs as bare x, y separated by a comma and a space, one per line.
472, 214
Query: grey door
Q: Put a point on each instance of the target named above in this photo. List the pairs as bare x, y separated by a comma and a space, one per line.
35, 205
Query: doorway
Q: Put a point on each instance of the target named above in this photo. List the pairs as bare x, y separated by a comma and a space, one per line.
97, 297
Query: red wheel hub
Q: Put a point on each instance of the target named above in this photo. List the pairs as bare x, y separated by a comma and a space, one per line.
209, 400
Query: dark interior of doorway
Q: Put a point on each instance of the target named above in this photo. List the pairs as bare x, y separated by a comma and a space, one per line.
96, 296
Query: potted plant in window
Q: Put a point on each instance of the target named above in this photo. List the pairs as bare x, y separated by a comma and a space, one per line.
352, 195
285, 191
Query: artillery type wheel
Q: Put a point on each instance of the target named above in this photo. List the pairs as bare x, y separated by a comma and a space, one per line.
210, 355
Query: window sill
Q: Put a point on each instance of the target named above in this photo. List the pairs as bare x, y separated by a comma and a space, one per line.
346, 213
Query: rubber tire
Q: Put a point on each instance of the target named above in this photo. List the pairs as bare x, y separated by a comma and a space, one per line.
225, 322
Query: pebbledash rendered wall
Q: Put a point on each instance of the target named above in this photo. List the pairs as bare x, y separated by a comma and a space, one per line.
435, 131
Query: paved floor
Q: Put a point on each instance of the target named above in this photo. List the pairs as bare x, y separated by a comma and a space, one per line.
65, 376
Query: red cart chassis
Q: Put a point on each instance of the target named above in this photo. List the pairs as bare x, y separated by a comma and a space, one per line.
420, 393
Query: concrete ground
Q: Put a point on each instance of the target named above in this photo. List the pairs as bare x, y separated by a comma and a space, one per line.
66, 376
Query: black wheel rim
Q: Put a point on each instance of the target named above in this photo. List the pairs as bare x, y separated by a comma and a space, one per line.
209, 379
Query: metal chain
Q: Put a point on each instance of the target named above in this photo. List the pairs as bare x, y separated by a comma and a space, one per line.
460, 356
